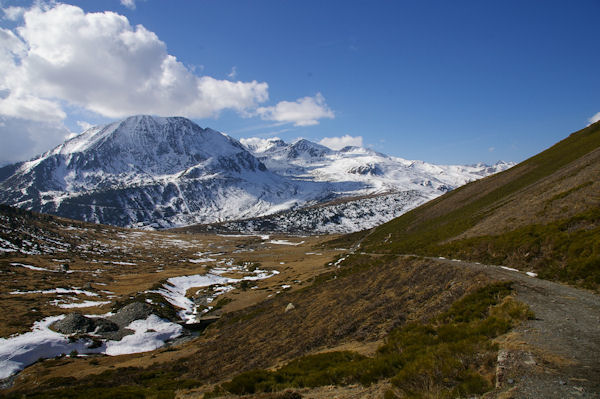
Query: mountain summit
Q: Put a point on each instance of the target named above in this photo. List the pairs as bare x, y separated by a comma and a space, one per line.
147, 171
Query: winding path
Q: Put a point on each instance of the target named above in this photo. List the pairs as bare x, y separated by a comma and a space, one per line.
555, 355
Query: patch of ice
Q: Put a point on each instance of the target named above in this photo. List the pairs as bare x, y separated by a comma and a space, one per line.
508, 268
531, 274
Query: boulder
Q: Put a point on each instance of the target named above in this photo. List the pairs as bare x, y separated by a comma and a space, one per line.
133, 311
105, 326
74, 323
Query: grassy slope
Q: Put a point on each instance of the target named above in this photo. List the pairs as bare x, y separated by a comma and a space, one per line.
449, 357
566, 249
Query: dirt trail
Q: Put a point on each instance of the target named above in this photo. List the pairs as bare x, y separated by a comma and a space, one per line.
556, 355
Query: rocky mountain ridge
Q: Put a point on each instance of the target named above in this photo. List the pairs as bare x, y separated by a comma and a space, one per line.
154, 172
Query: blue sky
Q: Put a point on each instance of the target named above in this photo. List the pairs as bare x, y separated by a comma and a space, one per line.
440, 81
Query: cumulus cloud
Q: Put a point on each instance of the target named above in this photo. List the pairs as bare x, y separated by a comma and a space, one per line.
61, 58
594, 118
100, 62
83, 125
233, 73
337, 143
303, 112
13, 13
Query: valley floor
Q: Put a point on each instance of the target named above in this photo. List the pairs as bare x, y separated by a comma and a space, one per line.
90, 269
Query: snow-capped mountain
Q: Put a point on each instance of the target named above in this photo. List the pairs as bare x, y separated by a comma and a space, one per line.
162, 172
361, 171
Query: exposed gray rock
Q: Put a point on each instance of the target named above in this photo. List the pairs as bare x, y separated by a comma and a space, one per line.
105, 326
74, 323
133, 311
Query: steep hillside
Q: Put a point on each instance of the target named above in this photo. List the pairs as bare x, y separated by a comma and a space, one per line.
543, 214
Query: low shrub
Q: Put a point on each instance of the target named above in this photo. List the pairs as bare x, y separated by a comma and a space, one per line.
444, 358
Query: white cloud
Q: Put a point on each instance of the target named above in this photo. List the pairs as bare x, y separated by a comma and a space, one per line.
233, 73
492, 149
84, 125
13, 13
99, 62
594, 118
337, 143
302, 112
128, 3
60, 58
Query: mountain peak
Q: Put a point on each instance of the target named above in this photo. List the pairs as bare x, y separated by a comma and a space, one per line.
170, 171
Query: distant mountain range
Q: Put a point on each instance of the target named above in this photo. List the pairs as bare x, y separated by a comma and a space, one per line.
155, 172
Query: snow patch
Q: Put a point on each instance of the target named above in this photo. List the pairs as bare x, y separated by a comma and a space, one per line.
84, 304
20, 351
285, 242
31, 267
149, 334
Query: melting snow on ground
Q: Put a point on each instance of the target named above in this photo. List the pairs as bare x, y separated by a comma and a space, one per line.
31, 267
75, 291
285, 242
149, 334
20, 351
175, 289
202, 260
84, 304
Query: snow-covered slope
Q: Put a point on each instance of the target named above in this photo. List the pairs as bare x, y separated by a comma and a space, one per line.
163, 172
342, 216
152, 171
362, 171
